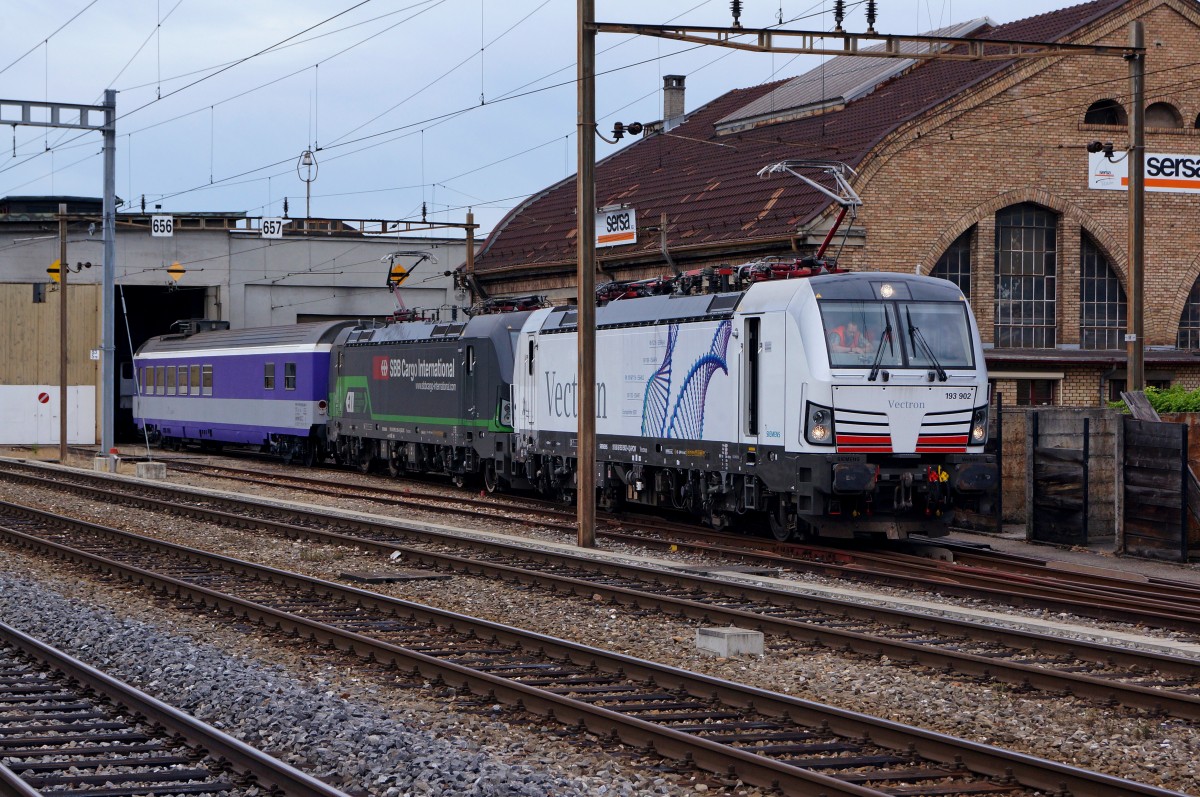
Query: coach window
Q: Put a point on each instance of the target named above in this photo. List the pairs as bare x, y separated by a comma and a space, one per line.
289, 376
183, 380
268, 376
206, 380
160, 379
195, 380
170, 380
1026, 271
148, 381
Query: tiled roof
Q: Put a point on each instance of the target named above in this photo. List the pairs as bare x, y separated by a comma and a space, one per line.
707, 184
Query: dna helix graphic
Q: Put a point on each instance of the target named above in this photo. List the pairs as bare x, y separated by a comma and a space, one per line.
657, 395
686, 419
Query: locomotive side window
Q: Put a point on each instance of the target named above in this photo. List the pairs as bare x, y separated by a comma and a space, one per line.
160, 379
206, 380
289, 376
529, 359
752, 352
268, 376
195, 380
470, 361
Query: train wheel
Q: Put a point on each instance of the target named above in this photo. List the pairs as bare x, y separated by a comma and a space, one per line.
364, 459
491, 482
458, 479
782, 525
394, 467
309, 455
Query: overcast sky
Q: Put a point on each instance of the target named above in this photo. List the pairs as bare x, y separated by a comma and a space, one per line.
454, 103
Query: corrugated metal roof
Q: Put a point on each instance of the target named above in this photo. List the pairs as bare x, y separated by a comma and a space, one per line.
837, 81
707, 183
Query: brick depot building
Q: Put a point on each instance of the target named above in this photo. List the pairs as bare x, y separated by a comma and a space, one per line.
975, 171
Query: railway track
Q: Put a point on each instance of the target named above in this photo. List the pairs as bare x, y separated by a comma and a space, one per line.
1106, 673
1156, 604
761, 737
954, 569
67, 727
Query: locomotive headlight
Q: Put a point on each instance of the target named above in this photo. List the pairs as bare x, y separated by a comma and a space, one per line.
979, 426
886, 290
818, 428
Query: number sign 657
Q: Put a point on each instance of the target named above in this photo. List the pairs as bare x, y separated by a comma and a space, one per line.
272, 228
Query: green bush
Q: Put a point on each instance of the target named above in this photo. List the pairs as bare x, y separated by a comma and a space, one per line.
1173, 399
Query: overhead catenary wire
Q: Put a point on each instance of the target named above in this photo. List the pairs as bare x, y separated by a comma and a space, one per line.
46, 39
231, 65
384, 132
448, 116
2, 170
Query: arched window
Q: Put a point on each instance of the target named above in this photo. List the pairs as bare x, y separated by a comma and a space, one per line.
1198, 121
1189, 321
1101, 300
1163, 114
1026, 268
955, 263
1105, 112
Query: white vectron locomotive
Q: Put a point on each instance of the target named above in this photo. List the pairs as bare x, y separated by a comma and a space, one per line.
834, 405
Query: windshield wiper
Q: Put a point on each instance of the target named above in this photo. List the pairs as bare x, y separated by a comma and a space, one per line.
916, 335
887, 336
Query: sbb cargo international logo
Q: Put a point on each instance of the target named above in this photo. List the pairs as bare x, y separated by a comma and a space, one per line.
399, 368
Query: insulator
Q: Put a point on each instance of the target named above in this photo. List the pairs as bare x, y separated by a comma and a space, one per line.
736, 7
839, 13
872, 7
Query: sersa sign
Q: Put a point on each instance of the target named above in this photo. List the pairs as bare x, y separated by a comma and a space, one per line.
616, 227
1169, 173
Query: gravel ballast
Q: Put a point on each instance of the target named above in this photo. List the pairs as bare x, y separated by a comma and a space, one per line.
1117, 741
353, 745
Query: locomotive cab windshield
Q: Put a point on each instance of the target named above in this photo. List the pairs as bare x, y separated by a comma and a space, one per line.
897, 334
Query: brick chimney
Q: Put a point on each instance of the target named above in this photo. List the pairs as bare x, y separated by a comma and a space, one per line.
673, 107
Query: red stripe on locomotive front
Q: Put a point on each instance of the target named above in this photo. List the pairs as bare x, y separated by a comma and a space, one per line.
942, 440
865, 439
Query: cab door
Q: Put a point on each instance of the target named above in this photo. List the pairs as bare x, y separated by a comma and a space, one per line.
525, 400
763, 385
